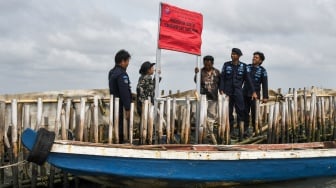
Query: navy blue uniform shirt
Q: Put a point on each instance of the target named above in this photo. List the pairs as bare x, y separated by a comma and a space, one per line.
258, 75
119, 85
234, 76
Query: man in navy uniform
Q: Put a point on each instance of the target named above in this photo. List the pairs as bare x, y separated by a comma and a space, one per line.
119, 85
234, 74
259, 78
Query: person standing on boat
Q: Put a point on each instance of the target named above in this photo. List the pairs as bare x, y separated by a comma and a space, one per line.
146, 85
210, 78
259, 78
234, 74
119, 85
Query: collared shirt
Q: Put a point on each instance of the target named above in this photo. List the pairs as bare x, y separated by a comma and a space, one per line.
259, 78
145, 88
233, 77
210, 83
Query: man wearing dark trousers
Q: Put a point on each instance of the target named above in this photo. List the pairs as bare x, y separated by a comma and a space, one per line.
234, 74
119, 85
258, 75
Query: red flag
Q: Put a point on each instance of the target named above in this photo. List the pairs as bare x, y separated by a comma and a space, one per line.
180, 30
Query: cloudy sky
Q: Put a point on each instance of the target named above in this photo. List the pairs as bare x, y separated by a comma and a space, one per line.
59, 45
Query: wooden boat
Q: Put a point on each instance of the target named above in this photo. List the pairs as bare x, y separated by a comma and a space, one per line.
197, 163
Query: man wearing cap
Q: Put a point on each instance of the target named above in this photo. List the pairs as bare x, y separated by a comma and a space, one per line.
146, 85
119, 85
234, 74
259, 78
210, 78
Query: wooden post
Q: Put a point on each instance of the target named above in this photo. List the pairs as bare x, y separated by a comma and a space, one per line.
116, 119
58, 115
187, 128
88, 130
14, 140
150, 123
168, 127
270, 124
323, 122
227, 122
63, 129
68, 114
161, 104
312, 117
95, 118
144, 121
39, 114
283, 122
172, 121
276, 124
110, 130
2, 131
81, 119
131, 123
220, 119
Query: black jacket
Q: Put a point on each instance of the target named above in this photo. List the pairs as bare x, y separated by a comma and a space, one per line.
258, 75
233, 77
119, 85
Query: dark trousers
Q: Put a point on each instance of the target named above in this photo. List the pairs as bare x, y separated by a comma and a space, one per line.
250, 108
237, 101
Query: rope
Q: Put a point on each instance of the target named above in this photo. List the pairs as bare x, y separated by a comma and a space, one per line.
15, 164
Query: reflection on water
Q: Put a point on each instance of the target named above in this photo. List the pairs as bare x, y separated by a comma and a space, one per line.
327, 182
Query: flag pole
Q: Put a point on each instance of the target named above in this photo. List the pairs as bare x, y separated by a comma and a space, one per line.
157, 78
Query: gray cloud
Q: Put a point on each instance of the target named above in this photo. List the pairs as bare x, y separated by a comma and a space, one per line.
57, 45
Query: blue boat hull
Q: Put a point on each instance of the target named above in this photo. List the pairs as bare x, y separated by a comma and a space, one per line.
227, 171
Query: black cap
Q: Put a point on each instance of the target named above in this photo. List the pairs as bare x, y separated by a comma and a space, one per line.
237, 51
145, 67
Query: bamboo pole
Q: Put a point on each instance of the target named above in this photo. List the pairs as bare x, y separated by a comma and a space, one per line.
88, 130
276, 124
150, 123
58, 116
184, 114
323, 116
227, 122
172, 121
270, 124
187, 128
144, 122
116, 119
63, 129
318, 119
312, 117
14, 141
161, 104
283, 122
168, 127
67, 114
220, 118
2, 131
39, 114
110, 129
95, 119
81, 120
131, 123
73, 121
